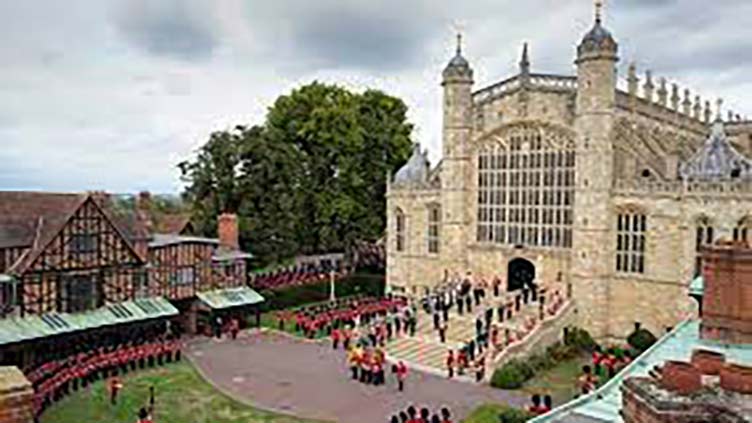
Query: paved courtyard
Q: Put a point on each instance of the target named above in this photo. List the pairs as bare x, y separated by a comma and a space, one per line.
279, 373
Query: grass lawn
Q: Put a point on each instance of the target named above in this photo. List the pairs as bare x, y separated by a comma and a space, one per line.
559, 382
489, 413
182, 396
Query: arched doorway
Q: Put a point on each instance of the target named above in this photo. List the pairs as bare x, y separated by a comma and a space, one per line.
520, 274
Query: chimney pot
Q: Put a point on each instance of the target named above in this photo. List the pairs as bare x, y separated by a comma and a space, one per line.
227, 230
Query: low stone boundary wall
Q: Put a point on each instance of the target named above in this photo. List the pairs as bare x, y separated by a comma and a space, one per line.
16, 397
550, 331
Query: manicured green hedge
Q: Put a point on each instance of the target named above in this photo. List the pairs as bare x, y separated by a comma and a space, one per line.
368, 284
512, 375
641, 340
579, 338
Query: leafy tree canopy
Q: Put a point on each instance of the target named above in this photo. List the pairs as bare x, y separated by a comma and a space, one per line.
311, 179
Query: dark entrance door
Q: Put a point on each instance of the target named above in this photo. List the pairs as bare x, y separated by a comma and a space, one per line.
521, 273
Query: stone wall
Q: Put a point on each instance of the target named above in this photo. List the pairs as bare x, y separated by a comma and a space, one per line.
16, 397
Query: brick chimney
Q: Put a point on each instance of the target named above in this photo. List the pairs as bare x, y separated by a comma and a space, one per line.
708, 362
681, 377
727, 296
227, 230
143, 211
736, 378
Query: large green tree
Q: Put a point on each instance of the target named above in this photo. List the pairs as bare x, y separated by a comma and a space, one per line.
310, 179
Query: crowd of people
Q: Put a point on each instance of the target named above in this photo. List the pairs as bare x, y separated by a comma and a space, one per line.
296, 275
314, 270
423, 415
349, 320
55, 379
604, 366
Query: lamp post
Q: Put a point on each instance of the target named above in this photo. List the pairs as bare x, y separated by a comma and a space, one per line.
332, 296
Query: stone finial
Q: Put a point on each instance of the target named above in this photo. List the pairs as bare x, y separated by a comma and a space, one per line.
662, 93
687, 103
525, 61
719, 109
697, 109
648, 86
632, 80
708, 112
675, 97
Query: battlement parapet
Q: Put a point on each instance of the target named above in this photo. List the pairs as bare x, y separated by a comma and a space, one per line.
683, 188
535, 81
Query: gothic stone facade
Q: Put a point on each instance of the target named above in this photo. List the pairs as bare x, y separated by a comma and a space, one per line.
608, 192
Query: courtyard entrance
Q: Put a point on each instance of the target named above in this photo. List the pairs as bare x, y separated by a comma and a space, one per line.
520, 274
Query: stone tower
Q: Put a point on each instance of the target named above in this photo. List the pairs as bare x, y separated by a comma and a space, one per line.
593, 237
457, 81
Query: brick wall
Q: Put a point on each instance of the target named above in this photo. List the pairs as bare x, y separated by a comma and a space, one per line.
727, 300
16, 396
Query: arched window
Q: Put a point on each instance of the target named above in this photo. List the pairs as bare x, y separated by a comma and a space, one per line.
399, 230
630, 242
434, 228
741, 231
703, 237
526, 188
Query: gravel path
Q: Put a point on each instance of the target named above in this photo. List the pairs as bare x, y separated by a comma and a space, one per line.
308, 379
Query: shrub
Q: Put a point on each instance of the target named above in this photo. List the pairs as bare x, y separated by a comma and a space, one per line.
580, 339
540, 362
511, 375
641, 340
560, 352
514, 415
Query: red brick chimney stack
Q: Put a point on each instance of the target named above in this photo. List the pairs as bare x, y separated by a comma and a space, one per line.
227, 230
681, 377
727, 296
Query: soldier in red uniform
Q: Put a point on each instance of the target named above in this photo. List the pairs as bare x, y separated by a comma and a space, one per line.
115, 386
450, 363
401, 371
335, 338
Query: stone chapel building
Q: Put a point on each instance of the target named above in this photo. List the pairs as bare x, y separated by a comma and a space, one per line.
572, 180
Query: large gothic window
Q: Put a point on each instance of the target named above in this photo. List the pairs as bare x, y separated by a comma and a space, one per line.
630, 242
399, 230
703, 237
741, 231
434, 225
526, 188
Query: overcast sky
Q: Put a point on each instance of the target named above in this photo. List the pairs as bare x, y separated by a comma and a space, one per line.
105, 94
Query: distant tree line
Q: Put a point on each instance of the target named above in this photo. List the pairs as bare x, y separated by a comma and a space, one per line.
310, 179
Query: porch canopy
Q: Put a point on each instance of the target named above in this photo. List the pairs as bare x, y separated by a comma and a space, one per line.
15, 329
230, 297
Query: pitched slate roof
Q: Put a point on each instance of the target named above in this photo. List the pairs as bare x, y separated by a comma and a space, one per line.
28, 216
171, 223
717, 159
32, 219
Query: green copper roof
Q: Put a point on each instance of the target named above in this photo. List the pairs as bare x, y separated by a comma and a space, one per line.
604, 404
697, 286
15, 329
231, 297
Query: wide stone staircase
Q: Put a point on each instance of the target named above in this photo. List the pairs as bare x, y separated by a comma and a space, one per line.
424, 351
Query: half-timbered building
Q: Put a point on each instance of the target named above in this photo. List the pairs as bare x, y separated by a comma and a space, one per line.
73, 265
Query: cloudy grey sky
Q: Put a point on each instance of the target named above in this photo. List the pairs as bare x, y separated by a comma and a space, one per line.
109, 94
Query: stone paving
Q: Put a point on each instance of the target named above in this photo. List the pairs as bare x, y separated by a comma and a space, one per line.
308, 379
